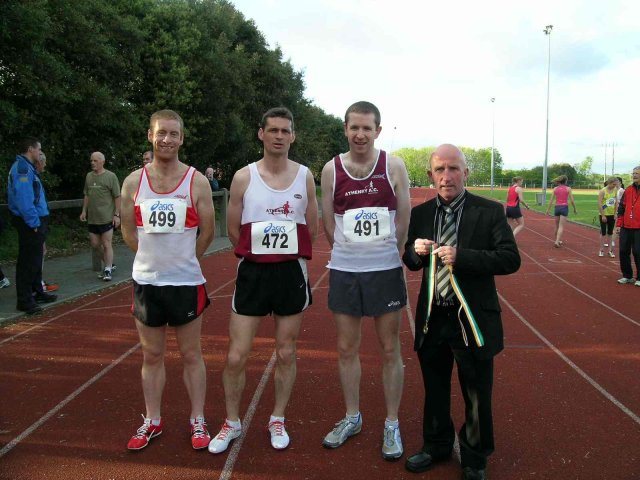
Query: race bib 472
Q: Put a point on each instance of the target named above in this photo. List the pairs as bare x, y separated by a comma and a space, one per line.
275, 237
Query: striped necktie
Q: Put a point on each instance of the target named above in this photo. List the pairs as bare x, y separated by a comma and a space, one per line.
448, 237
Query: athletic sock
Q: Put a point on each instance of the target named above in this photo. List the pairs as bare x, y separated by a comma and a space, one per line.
276, 419
235, 424
391, 423
156, 421
354, 418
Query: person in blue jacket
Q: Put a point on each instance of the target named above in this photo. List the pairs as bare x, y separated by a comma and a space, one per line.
30, 216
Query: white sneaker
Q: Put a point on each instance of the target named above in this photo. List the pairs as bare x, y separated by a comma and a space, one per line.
637, 284
4, 283
627, 280
392, 443
611, 254
279, 435
601, 253
222, 440
343, 430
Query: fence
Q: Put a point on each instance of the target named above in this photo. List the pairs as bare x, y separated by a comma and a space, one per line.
220, 197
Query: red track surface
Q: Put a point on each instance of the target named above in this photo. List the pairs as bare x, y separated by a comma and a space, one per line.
566, 396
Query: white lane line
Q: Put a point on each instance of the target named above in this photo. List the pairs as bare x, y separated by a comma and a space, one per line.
227, 470
635, 322
9, 446
591, 259
577, 369
13, 337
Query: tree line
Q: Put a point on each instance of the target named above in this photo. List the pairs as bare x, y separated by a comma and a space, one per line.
86, 76
479, 162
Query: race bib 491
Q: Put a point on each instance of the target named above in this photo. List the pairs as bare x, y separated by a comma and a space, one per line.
163, 216
367, 224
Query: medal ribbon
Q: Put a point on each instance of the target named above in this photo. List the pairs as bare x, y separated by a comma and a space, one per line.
464, 305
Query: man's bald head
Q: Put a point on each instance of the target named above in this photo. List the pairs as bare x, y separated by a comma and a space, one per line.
97, 162
448, 171
447, 150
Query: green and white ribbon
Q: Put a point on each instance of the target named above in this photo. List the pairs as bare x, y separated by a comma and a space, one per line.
464, 305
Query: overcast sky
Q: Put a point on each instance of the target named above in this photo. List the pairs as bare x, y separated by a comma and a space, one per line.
433, 67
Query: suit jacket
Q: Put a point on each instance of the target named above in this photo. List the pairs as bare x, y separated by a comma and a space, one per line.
486, 247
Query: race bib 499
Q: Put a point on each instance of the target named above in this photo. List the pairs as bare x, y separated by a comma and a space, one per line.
163, 216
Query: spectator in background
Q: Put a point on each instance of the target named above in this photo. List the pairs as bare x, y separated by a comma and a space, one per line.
41, 165
607, 206
562, 196
147, 157
620, 185
4, 281
514, 199
628, 229
210, 173
101, 209
30, 216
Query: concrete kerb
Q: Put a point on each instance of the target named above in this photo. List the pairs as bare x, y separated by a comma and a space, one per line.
77, 279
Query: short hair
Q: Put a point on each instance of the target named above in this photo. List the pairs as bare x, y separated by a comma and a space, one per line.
26, 143
516, 179
363, 107
149, 152
277, 112
165, 115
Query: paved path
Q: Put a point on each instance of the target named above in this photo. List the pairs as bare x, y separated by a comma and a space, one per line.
76, 278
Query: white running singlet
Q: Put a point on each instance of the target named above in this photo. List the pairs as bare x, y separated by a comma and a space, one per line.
167, 225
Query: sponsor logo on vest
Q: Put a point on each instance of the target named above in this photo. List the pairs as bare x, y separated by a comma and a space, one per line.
380, 176
271, 228
298, 196
366, 215
183, 197
162, 206
283, 210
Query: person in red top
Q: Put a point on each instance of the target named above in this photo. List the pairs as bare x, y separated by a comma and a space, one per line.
562, 196
514, 199
628, 229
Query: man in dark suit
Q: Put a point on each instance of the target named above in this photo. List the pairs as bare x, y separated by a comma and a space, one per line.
461, 241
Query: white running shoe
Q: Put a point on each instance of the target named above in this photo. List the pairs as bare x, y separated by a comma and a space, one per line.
392, 443
279, 435
343, 430
222, 440
626, 280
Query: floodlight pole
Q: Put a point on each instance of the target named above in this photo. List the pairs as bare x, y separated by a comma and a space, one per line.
547, 31
493, 134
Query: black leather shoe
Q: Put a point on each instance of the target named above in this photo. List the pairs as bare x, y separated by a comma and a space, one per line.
469, 473
43, 297
422, 461
29, 309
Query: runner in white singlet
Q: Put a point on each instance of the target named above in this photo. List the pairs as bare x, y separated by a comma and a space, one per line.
163, 205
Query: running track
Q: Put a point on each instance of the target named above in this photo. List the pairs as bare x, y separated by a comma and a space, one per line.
566, 396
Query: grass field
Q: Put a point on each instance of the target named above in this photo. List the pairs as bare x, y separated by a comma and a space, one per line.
586, 202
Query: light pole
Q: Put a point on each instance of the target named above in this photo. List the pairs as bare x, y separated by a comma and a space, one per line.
547, 31
493, 134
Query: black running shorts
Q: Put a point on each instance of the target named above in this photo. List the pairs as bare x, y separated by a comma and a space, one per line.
271, 288
99, 229
367, 294
168, 305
